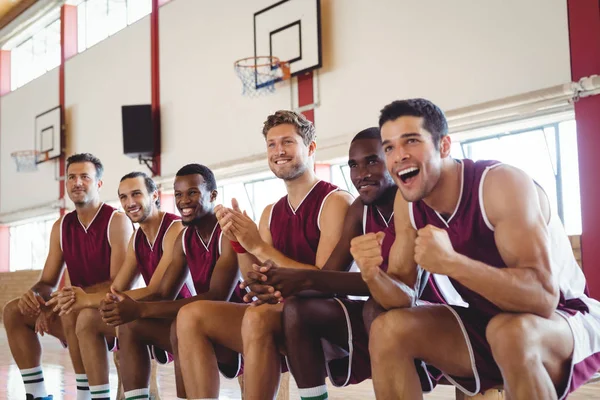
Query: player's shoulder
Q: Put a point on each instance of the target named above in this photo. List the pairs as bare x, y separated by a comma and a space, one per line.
339, 197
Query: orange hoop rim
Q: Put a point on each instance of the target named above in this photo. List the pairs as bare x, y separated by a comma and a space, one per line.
274, 61
20, 153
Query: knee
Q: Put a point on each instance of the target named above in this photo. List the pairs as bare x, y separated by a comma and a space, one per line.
512, 339
11, 313
295, 315
189, 318
371, 310
83, 324
129, 331
393, 333
255, 325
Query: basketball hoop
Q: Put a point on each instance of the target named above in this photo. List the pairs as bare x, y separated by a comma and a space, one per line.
27, 160
259, 74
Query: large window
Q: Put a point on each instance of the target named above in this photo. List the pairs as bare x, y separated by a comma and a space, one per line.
99, 19
548, 154
36, 55
29, 244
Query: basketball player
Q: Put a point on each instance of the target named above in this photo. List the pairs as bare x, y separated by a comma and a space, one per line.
149, 253
91, 241
489, 228
309, 320
299, 231
200, 250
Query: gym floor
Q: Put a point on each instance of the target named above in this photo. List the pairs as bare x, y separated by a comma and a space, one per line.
60, 379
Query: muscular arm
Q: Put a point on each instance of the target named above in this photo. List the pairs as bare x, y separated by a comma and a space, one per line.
331, 223
518, 211
222, 283
120, 231
394, 288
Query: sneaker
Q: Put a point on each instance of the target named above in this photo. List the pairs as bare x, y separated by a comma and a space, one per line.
30, 397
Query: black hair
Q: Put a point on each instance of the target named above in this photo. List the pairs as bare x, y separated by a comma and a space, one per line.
434, 119
150, 184
369, 133
207, 174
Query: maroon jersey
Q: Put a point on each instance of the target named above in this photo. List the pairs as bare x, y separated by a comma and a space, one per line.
373, 222
148, 255
86, 250
467, 229
202, 258
296, 233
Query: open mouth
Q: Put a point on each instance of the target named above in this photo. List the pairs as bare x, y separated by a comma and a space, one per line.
281, 162
366, 186
134, 210
187, 211
408, 174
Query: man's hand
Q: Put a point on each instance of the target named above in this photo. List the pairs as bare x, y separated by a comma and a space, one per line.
238, 224
67, 300
433, 250
286, 281
118, 308
366, 251
221, 212
30, 303
43, 321
260, 292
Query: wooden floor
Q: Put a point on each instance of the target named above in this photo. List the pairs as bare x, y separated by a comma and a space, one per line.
60, 380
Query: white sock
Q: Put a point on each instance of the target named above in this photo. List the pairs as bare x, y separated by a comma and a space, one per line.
83, 387
137, 394
33, 378
314, 393
100, 392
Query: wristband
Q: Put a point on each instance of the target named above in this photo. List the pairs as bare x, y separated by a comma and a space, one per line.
237, 247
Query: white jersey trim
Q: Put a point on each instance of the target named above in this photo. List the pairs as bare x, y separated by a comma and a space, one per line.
323, 205
108, 227
135, 238
183, 240
301, 201
365, 211
85, 228
162, 245
481, 205
220, 243
412, 216
156, 235
62, 219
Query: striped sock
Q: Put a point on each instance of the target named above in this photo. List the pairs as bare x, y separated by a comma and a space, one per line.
314, 393
33, 378
137, 394
100, 392
83, 387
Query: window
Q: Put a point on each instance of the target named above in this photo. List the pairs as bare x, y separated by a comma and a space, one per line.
99, 19
340, 176
548, 154
36, 55
29, 244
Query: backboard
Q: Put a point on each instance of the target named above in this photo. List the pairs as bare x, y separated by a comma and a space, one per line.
291, 31
47, 134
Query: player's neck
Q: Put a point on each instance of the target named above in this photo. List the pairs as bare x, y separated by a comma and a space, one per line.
151, 224
206, 226
87, 212
298, 188
385, 203
446, 194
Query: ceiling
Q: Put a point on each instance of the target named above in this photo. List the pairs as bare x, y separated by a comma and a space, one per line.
10, 9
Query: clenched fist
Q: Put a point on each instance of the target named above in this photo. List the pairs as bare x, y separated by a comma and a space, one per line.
366, 251
433, 250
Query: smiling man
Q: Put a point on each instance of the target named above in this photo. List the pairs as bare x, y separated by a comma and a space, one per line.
299, 231
488, 227
149, 254
92, 242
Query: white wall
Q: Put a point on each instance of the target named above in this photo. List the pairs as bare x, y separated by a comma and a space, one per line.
456, 53
99, 81
17, 128
205, 118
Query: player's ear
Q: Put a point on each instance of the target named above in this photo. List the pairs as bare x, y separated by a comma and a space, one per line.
445, 146
100, 183
312, 147
213, 195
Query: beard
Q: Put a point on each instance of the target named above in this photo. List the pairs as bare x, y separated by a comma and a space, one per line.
293, 172
146, 210
193, 222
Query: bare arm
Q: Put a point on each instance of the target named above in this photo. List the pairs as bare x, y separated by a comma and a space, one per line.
222, 283
120, 231
518, 211
53, 266
331, 223
393, 289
